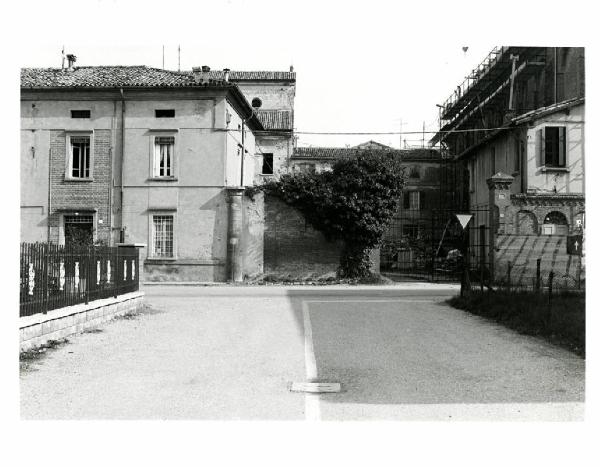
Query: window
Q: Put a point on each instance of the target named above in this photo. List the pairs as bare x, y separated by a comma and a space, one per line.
267, 165
412, 200
410, 230
414, 173
164, 147
307, 167
554, 146
519, 147
79, 157
256, 103
164, 113
162, 236
80, 114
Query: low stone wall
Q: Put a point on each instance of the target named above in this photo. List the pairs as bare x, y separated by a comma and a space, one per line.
38, 329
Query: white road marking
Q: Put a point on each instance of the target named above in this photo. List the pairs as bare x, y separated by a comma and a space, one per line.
312, 410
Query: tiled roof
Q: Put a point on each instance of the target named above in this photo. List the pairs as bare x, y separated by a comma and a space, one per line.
131, 76
324, 153
255, 75
104, 76
275, 119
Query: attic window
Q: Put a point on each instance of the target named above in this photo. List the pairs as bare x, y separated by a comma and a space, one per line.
164, 113
80, 114
256, 103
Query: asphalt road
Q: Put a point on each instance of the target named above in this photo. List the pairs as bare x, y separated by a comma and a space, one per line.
223, 353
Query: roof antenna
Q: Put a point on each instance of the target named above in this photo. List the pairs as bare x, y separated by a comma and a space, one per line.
179, 58
63, 58
163, 57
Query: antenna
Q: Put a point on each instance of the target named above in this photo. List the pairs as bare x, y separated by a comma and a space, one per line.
179, 58
163, 67
63, 57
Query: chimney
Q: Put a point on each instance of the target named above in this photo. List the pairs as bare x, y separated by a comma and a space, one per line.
201, 74
291, 68
226, 74
71, 59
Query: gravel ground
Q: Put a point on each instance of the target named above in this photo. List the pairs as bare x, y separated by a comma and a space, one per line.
230, 353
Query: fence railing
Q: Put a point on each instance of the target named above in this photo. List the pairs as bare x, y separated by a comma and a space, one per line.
55, 276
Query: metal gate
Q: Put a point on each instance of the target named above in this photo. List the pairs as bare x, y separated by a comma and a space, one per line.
433, 246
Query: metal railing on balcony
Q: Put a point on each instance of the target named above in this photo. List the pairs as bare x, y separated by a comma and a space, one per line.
56, 276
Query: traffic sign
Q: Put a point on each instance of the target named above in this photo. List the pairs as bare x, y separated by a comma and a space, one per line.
574, 244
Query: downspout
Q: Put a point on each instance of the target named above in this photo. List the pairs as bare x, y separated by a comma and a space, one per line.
122, 233
49, 191
243, 153
110, 178
555, 76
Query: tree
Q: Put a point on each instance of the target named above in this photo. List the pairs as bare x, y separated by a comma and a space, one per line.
354, 202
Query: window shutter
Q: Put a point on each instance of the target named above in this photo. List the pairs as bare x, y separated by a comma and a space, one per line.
406, 200
562, 138
421, 200
539, 148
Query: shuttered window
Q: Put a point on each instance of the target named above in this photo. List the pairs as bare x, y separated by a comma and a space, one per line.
551, 142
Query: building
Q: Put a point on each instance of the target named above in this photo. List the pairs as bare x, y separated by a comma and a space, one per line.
428, 189
144, 155
515, 127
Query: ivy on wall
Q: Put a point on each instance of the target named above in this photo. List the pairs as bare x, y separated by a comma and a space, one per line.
354, 202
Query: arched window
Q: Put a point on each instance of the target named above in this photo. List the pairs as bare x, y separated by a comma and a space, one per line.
526, 223
555, 223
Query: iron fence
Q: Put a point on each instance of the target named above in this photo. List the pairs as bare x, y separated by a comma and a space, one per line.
55, 276
432, 245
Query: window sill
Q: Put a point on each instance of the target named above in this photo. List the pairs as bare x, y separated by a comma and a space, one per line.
162, 179
554, 169
267, 175
78, 180
160, 260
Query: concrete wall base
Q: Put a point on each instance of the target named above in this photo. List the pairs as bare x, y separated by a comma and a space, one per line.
38, 329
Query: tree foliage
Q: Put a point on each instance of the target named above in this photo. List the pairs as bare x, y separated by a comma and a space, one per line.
354, 202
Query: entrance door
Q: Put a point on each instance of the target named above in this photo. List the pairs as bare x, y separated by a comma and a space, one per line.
79, 230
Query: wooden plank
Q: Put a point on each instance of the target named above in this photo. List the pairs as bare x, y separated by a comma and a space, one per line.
315, 387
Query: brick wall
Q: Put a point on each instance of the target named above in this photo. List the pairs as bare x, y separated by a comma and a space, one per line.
294, 248
80, 194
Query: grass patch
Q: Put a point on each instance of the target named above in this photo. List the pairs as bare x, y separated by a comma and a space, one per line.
562, 321
27, 357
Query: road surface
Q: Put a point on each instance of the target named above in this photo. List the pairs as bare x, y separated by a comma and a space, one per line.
230, 353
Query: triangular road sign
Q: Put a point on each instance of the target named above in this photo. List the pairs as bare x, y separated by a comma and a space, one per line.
463, 219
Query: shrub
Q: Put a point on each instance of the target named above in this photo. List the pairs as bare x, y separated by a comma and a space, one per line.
354, 202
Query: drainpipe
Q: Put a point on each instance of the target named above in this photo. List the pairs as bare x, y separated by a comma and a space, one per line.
243, 153
555, 76
121, 234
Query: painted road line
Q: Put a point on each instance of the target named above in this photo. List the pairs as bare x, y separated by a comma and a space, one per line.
315, 388
312, 409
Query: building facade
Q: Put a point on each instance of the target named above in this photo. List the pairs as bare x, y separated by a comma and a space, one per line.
516, 129
142, 155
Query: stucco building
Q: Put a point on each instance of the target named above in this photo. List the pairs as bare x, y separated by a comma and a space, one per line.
516, 127
138, 154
